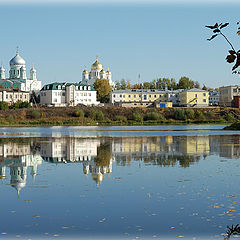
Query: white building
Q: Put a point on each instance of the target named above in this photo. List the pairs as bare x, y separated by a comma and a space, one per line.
97, 72
18, 75
68, 94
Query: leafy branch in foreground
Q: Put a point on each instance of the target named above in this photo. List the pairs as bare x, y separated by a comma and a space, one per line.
234, 230
233, 56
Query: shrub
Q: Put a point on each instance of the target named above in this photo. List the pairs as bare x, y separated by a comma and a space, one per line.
179, 114
35, 114
199, 115
154, 116
189, 114
20, 104
10, 119
78, 113
92, 114
99, 116
120, 118
230, 117
137, 117
3, 106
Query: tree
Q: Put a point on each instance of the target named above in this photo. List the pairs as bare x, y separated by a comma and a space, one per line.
123, 84
185, 83
103, 90
234, 55
117, 85
128, 84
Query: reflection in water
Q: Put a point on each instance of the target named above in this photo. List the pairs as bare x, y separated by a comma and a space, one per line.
98, 154
18, 157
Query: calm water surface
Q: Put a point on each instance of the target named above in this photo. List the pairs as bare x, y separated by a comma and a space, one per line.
154, 182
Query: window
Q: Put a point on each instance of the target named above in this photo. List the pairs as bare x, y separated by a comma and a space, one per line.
114, 95
204, 100
150, 96
120, 95
41, 94
129, 96
195, 95
234, 90
134, 96
204, 94
6, 96
59, 86
155, 96
55, 99
89, 94
144, 97
44, 94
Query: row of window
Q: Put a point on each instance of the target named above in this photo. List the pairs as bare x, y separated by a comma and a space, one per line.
16, 96
139, 95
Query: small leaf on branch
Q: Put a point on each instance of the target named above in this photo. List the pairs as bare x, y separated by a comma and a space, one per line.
213, 36
212, 27
232, 52
238, 33
224, 25
237, 63
216, 30
230, 58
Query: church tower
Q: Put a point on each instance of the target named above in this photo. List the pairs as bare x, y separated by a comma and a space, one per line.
16, 64
2, 73
33, 73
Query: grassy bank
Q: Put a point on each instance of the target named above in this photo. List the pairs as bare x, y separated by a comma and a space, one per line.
85, 116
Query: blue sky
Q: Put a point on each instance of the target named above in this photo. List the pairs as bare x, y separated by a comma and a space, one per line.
155, 39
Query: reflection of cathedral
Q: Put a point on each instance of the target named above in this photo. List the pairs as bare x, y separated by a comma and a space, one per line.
17, 158
97, 172
63, 150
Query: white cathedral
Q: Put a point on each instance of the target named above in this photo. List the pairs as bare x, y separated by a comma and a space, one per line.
18, 76
97, 72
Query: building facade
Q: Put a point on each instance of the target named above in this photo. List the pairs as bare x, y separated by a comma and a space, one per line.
226, 95
97, 72
18, 76
213, 98
68, 94
12, 95
137, 97
194, 98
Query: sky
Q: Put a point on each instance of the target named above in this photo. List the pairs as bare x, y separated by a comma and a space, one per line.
155, 39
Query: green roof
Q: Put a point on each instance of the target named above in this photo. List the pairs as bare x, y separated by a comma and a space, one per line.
54, 86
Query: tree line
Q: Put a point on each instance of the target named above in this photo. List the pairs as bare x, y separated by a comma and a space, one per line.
161, 83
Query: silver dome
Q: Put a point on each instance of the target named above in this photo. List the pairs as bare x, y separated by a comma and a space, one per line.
17, 60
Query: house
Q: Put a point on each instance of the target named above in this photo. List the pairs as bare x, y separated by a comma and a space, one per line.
68, 94
194, 98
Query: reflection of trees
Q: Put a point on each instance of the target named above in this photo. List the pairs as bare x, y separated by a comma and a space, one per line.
103, 155
162, 160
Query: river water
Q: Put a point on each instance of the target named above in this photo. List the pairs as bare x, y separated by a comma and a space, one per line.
151, 182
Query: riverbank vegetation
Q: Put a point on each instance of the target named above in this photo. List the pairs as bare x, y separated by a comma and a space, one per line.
115, 116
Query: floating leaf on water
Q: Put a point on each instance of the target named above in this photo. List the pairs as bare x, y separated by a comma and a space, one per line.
3, 233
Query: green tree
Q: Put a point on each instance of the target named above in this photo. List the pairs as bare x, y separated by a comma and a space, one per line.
103, 90
118, 85
3, 106
185, 83
123, 84
103, 155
